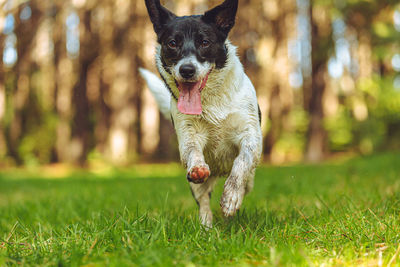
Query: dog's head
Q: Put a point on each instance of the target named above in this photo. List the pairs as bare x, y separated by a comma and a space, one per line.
191, 46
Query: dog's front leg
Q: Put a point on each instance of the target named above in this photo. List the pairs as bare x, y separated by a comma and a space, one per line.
198, 173
192, 140
197, 169
242, 170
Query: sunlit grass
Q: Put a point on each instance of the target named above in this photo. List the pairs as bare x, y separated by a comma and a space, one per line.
344, 213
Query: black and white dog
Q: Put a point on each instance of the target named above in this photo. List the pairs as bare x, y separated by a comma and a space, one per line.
211, 101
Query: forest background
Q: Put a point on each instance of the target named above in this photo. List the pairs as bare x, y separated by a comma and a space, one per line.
327, 75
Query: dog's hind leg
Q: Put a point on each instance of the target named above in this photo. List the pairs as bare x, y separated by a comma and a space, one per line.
202, 195
250, 182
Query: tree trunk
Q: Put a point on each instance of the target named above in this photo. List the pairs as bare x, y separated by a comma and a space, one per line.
82, 130
313, 95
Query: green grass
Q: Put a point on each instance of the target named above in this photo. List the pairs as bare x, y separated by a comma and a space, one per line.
340, 213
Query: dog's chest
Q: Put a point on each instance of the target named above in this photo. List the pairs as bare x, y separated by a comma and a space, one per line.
222, 146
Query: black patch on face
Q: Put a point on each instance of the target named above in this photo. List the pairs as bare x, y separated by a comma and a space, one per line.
203, 36
189, 34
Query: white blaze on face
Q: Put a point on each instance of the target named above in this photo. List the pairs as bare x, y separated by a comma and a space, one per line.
202, 69
189, 101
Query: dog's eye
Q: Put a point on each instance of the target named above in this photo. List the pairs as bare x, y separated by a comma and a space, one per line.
205, 43
172, 44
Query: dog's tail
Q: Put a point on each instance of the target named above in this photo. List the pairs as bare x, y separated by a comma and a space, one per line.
159, 91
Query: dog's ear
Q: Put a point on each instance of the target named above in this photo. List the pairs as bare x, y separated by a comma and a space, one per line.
223, 16
159, 15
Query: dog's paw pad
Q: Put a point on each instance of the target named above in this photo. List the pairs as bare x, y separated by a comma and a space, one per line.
198, 174
231, 201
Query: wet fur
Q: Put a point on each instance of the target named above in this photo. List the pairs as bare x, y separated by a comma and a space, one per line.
226, 137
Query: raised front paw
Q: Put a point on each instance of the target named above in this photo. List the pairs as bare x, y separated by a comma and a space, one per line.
198, 174
231, 199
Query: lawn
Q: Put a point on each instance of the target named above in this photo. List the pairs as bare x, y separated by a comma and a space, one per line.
341, 213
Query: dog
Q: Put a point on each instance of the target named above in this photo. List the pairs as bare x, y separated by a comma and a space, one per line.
210, 100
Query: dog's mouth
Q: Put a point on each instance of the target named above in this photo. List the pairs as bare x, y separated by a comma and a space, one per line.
189, 101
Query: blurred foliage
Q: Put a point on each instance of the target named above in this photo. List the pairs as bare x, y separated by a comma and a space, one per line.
339, 128
36, 146
70, 90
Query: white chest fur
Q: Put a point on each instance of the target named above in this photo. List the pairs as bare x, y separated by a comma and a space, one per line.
230, 113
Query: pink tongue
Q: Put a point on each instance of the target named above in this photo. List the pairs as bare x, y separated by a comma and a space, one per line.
189, 101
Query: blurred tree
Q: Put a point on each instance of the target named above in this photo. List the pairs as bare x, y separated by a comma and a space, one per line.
321, 45
70, 89
20, 120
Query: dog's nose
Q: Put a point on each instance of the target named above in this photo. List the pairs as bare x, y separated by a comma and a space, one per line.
187, 71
